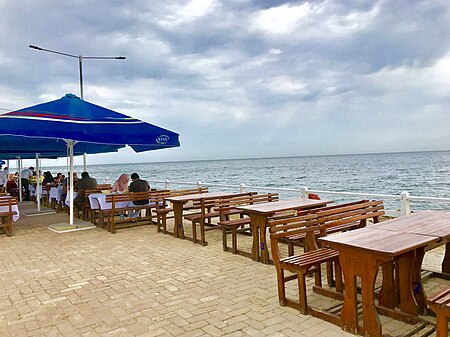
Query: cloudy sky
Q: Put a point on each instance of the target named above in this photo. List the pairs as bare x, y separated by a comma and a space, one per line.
243, 78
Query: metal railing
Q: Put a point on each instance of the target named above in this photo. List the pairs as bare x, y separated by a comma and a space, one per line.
404, 198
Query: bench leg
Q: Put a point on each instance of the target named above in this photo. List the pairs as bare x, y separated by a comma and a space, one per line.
202, 233
281, 288
234, 239
224, 238
441, 325
194, 231
302, 293
158, 222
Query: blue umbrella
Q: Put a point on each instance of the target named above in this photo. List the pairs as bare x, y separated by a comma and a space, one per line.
71, 118
82, 126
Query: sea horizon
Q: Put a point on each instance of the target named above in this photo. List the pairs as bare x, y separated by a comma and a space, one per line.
249, 158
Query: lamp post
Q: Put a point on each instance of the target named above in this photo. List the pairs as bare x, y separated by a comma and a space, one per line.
80, 61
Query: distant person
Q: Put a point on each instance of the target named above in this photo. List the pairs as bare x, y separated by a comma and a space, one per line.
48, 178
138, 185
25, 176
56, 181
85, 183
3, 179
11, 186
121, 184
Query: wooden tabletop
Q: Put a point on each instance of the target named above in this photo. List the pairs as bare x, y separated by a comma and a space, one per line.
378, 240
434, 223
283, 205
199, 196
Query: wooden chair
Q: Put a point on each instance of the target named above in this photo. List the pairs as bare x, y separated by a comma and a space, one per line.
126, 198
440, 304
7, 214
162, 210
207, 212
227, 207
302, 264
340, 218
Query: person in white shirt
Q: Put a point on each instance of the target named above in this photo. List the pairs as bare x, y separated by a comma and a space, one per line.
3, 178
25, 179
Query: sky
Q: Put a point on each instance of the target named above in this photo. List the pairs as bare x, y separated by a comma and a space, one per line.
242, 78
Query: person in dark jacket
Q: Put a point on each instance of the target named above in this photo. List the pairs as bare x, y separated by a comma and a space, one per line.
85, 183
138, 185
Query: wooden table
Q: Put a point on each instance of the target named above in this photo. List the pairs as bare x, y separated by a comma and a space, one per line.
178, 202
435, 223
259, 214
363, 251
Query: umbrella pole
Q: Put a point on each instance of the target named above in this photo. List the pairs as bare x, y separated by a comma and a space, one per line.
70, 146
38, 184
19, 165
84, 162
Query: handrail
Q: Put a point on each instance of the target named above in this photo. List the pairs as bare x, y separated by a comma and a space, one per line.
404, 197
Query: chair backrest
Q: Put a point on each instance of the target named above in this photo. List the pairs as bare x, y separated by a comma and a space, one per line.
342, 214
158, 196
229, 203
283, 228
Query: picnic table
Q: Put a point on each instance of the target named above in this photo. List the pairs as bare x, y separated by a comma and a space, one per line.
361, 252
259, 213
179, 201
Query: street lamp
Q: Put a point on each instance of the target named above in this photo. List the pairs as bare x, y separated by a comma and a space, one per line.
80, 60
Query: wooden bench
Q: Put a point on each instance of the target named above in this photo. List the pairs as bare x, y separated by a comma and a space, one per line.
208, 211
86, 211
113, 224
162, 211
440, 304
340, 218
302, 264
227, 207
7, 214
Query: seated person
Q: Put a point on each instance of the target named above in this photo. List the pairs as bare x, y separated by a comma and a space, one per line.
138, 185
11, 186
48, 178
85, 183
121, 184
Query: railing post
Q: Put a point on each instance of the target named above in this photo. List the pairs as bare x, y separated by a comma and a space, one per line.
199, 184
305, 192
405, 204
167, 184
242, 187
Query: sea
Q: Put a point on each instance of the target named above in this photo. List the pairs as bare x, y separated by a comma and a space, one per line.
424, 174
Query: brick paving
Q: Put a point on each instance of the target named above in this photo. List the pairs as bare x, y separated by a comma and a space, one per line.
138, 283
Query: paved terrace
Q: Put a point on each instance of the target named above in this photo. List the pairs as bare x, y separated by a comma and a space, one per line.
141, 283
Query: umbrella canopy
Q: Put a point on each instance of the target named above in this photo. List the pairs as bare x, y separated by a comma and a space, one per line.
12, 147
83, 126
71, 118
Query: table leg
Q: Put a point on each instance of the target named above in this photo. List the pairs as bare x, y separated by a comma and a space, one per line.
408, 303
349, 313
178, 230
262, 226
386, 297
365, 266
255, 236
446, 261
418, 290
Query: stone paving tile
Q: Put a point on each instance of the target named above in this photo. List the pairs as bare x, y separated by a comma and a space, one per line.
141, 283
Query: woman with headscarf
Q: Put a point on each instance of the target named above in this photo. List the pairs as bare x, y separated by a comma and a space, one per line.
121, 184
